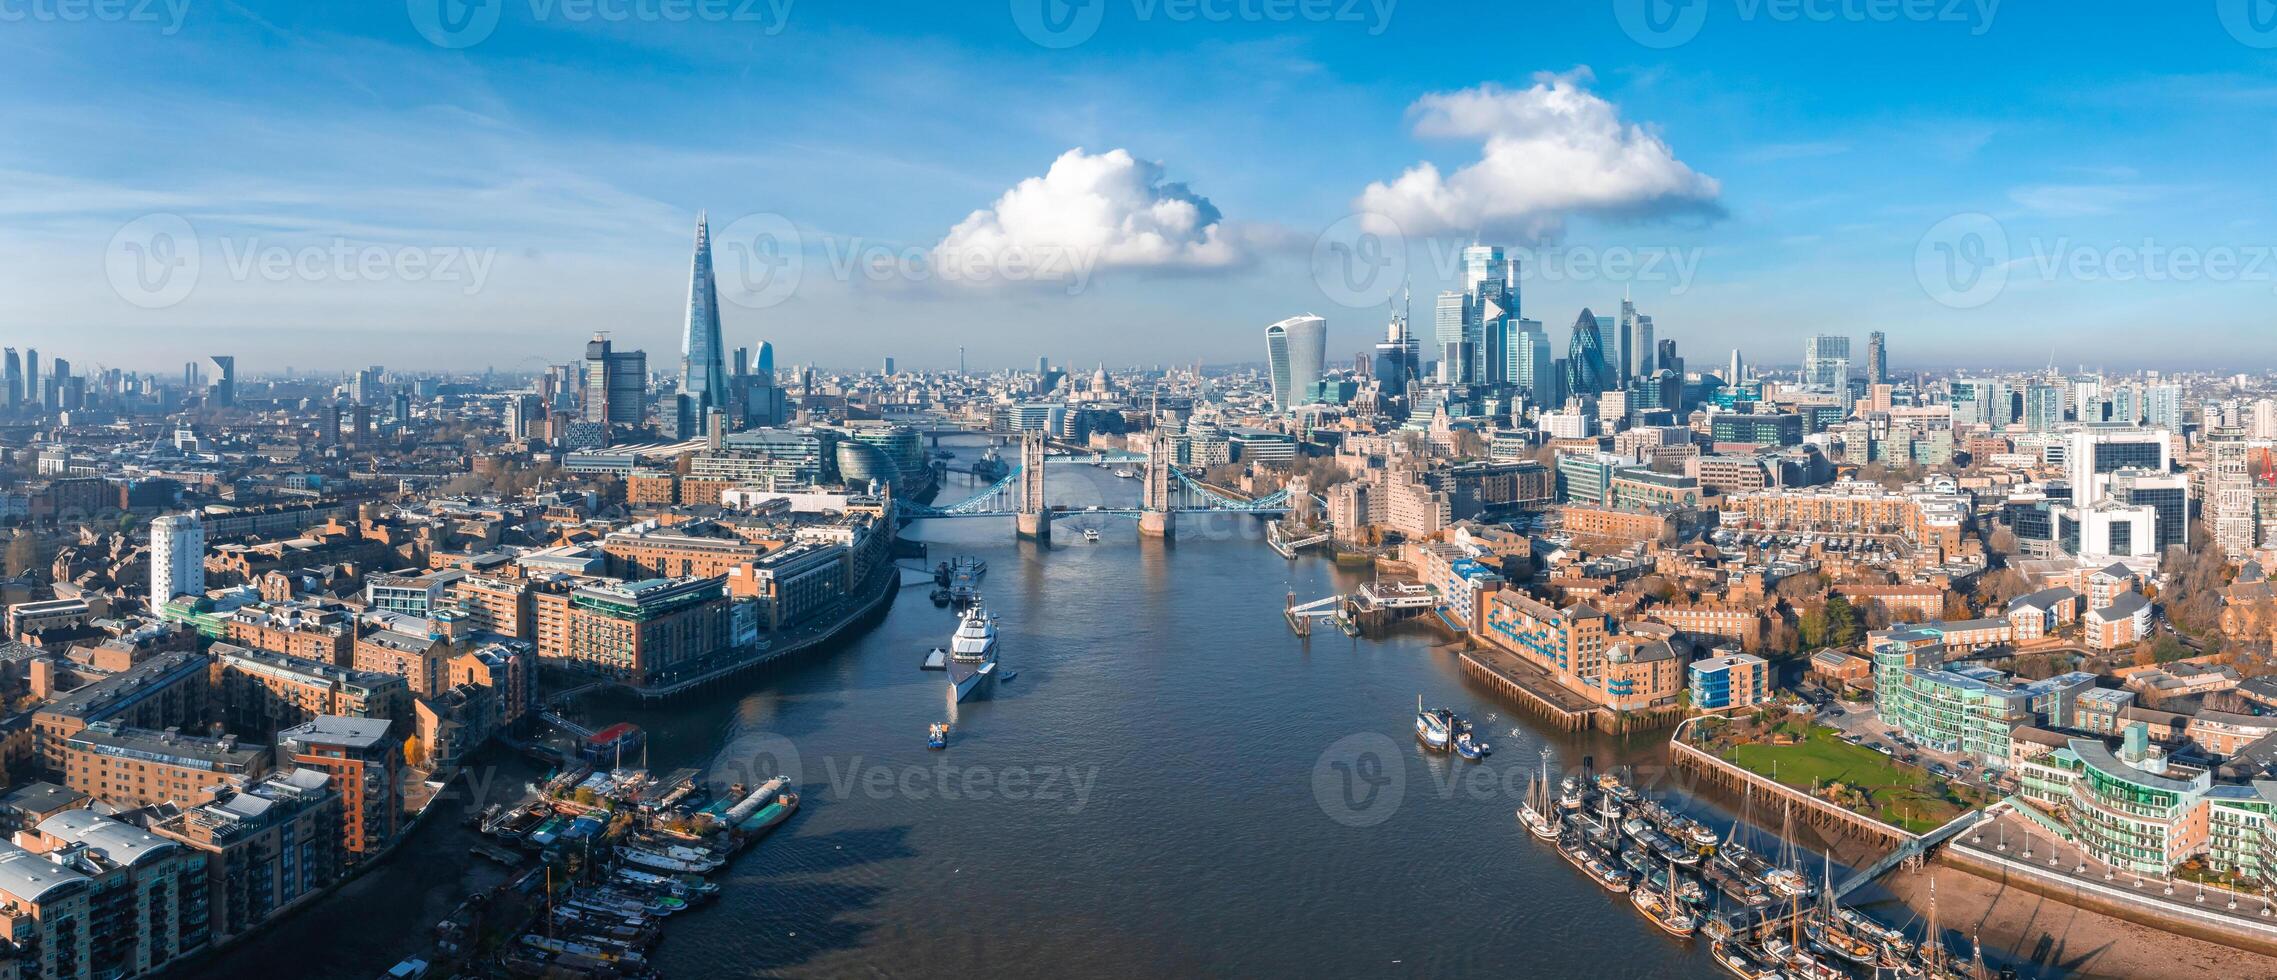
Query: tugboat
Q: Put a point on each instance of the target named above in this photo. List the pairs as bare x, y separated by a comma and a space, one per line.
1470, 748
972, 652
937, 737
1434, 727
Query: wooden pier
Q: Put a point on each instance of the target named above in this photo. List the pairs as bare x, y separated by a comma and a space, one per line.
1531, 687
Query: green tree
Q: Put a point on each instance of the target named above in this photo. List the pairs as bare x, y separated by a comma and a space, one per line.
1842, 626
25, 554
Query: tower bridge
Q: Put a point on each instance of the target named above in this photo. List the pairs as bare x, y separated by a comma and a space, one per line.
1165, 493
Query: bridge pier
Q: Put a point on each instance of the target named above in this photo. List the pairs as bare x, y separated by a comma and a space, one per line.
1035, 526
1158, 524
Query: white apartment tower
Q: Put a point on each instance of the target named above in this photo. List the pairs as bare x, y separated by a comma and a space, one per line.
177, 557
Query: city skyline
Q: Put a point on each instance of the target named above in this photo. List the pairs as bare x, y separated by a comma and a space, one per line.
1729, 223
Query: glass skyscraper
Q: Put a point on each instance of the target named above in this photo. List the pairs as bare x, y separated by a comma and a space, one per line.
703, 355
1296, 354
1586, 370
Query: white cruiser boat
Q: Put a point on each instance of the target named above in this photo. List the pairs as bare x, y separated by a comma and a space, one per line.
972, 653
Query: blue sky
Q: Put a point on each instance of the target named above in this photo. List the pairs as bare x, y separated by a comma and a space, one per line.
1989, 185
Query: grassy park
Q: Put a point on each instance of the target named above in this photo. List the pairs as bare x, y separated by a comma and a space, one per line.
1818, 761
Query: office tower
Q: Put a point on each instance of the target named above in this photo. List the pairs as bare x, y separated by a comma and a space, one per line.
2162, 407
616, 384
2043, 408
401, 408
365, 388
765, 365
177, 557
224, 391
1391, 367
1634, 338
2093, 453
1738, 367
14, 371
1296, 352
1826, 361
887, 368
742, 365
1529, 359
1585, 367
1453, 314
1043, 366
1651, 349
1489, 314
1664, 355
34, 393
703, 363
2230, 511
2168, 496
960, 360
1877, 359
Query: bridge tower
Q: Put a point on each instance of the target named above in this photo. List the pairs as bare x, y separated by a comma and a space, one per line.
1035, 517
1156, 519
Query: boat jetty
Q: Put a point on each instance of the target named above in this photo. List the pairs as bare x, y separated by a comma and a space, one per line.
611, 854
1766, 916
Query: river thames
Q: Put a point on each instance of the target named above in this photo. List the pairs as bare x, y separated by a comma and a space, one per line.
1169, 783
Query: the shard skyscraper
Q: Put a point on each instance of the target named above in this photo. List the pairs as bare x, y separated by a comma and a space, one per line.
703, 355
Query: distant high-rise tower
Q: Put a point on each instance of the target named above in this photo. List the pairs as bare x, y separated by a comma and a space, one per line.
1296, 353
1531, 366
34, 393
1877, 359
1448, 340
1635, 342
1826, 361
616, 384
887, 367
703, 355
1586, 370
765, 365
224, 391
177, 557
1737, 368
15, 379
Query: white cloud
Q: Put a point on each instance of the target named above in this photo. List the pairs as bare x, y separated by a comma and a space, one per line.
1089, 211
1552, 151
